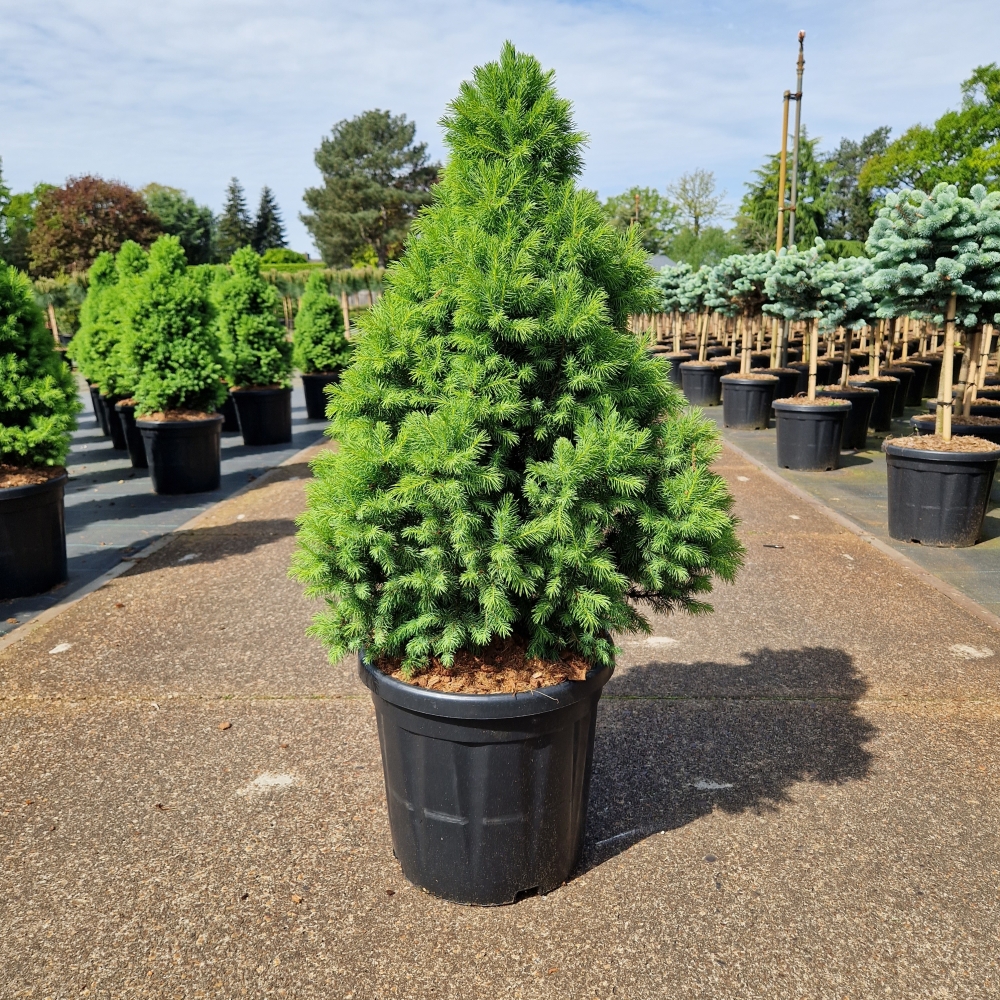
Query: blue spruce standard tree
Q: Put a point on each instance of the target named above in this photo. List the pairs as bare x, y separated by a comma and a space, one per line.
511, 462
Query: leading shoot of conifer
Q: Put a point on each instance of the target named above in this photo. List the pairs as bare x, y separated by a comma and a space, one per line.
511, 462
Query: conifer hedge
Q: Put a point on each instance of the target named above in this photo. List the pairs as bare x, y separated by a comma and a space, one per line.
38, 398
511, 461
319, 344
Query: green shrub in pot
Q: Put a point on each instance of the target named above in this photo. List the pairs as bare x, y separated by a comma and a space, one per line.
319, 344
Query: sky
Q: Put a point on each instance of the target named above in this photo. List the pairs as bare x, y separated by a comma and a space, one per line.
192, 92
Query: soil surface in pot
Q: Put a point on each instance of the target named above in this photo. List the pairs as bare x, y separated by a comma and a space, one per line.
175, 415
818, 401
762, 376
257, 388
28, 475
934, 442
502, 667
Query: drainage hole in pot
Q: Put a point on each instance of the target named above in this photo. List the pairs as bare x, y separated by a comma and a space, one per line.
525, 894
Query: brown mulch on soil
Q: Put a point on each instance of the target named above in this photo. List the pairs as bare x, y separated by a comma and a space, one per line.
930, 419
804, 400
934, 442
763, 376
176, 415
28, 475
500, 668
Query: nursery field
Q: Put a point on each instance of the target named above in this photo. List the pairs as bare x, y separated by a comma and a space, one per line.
791, 798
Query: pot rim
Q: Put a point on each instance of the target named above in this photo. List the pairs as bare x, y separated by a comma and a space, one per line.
817, 408
255, 391
735, 378
143, 424
829, 390
703, 364
18, 492
449, 705
970, 457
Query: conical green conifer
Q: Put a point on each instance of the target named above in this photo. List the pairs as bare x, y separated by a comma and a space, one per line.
511, 461
319, 343
38, 399
253, 339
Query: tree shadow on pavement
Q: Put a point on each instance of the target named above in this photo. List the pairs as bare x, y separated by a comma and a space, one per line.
675, 741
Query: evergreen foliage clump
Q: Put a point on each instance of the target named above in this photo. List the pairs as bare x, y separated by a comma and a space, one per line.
511, 461
172, 340
669, 282
319, 344
844, 299
257, 351
38, 399
793, 287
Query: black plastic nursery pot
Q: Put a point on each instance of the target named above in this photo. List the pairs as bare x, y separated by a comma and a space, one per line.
989, 392
905, 376
810, 434
917, 388
487, 794
855, 433
95, 394
115, 429
987, 429
938, 497
700, 382
313, 386
133, 436
760, 359
99, 411
788, 381
265, 415
230, 422
979, 408
719, 351
731, 364
32, 538
675, 360
858, 361
746, 402
835, 367
887, 387
184, 456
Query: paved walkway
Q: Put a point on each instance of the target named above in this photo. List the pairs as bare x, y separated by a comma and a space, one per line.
794, 797
113, 513
859, 491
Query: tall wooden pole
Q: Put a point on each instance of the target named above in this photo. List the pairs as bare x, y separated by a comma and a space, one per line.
797, 97
944, 401
783, 162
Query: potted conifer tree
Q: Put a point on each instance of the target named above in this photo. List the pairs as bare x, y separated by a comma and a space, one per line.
939, 254
700, 377
669, 282
320, 349
174, 347
38, 407
258, 352
516, 480
809, 427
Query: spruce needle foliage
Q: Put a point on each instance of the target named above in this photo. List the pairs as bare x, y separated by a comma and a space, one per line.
171, 340
38, 399
793, 286
319, 344
256, 348
511, 462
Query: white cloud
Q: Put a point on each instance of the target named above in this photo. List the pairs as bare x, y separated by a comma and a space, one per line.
189, 93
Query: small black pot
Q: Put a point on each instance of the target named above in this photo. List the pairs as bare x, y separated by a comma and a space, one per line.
99, 411
746, 402
265, 415
938, 497
858, 361
731, 365
95, 404
822, 373
717, 352
905, 376
794, 354
760, 359
989, 392
855, 434
32, 538
933, 376
836, 367
487, 794
313, 386
977, 409
675, 364
133, 436
184, 456
809, 436
115, 429
700, 382
917, 387
788, 381
925, 424
881, 418
230, 422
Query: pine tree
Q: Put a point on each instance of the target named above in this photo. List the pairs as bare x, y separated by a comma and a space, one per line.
38, 400
511, 461
319, 343
253, 340
236, 228
268, 229
171, 338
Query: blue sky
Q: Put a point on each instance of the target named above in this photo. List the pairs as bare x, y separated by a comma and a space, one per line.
191, 92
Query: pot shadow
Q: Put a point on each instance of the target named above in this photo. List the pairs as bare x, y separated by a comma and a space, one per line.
848, 459
676, 741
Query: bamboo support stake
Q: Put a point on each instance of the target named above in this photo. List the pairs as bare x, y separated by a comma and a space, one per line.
965, 369
347, 314
782, 169
797, 97
984, 358
53, 325
845, 372
813, 352
942, 425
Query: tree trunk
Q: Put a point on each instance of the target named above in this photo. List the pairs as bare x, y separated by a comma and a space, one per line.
846, 371
813, 352
942, 425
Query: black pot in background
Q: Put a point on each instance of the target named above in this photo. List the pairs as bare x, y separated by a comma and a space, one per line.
732, 364
746, 402
115, 429
855, 433
184, 456
931, 385
916, 390
717, 352
937, 497
794, 354
32, 538
487, 794
700, 382
977, 409
858, 361
133, 436
760, 359
993, 380
230, 422
835, 365
99, 411
788, 381
810, 434
905, 376
675, 362
313, 386
989, 392
265, 415
925, 424
881, 418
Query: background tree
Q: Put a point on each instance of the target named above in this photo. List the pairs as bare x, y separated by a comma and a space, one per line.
268, 229
375, 180
697, 201
849, 208
710, 246
962, 147
75, 223
657, 216
17, 218
235, 228
181, 216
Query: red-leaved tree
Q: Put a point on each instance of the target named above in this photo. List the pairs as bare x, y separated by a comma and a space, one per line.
88, 215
